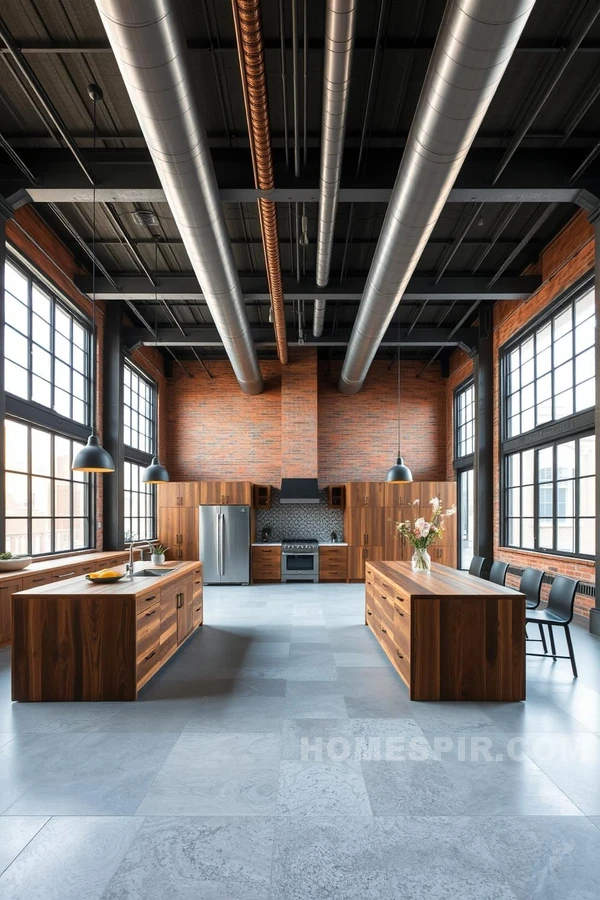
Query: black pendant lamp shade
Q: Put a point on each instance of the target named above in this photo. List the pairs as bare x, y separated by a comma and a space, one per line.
93, 457
399, 473
155, 473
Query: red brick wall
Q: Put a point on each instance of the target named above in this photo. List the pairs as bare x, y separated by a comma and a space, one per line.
299, 433
358, 433
569, 256
216, 432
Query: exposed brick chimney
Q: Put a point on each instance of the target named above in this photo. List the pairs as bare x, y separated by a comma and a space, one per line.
299, 415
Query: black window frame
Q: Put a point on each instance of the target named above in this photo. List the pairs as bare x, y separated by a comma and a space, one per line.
550, 434
35, 415
140, 459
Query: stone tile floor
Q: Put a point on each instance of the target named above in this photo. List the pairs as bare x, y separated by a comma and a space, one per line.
278, 757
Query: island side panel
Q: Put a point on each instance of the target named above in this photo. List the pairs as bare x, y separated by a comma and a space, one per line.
73, 647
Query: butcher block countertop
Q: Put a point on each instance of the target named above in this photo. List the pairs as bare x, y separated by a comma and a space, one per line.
130, 586
449, 635
442, 581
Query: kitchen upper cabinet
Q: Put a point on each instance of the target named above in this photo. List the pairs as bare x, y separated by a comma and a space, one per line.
226, 493
179, 493
402, 495
364, 493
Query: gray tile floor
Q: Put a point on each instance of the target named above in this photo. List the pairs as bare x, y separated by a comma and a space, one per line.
278, 756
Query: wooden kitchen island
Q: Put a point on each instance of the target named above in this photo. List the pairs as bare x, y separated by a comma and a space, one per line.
450, 636
75, 640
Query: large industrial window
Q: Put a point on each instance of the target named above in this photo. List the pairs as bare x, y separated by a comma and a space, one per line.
47, 348
47, 504
49, 508
549, 498
550, 373
139, 435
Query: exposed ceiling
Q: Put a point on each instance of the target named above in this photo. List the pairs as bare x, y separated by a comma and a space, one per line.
66, 47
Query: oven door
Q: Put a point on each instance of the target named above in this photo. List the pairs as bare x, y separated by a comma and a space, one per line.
298, 563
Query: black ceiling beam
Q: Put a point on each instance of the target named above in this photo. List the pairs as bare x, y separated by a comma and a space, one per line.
209, 337
534, 176
362, 45
254, 287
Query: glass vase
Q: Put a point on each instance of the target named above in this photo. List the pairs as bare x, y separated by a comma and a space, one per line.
421, 560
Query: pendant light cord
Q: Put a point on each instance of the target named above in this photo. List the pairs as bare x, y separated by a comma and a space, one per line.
399, 454
94, 360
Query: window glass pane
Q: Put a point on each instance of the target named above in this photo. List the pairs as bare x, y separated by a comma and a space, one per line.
587, 461
41, 536
587, 496
527, 500
62, 457
587, 536
16, 494
16, 347
41, 498
16, 446
41, 452
585, 395
563, 404
514, 502
528, 460
584, 307
514, 532
565, 460
16, 379
62, 534
514, 469
16, 314
62, 498
527, 530
41, 303
546, 464
584, 366
17, 537
41, 391
41, 363
565, 535
584, 336
545, 534
563, 323
15, 282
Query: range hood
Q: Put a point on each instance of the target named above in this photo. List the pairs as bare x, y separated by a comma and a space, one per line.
299, 490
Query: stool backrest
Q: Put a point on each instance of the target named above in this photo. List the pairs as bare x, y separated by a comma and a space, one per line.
498, 572
479, 566
562, 596
531, 585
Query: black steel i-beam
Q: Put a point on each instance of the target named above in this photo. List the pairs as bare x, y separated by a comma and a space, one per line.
484, 435
112, 428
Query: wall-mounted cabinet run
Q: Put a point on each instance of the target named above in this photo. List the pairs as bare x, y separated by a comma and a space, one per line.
225, 493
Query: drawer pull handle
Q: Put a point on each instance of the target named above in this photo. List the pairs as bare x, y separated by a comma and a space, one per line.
35, 580
369, 613
148, 599
198, 608
384, 631
66, 575
384, 596
400, 613
399, 654
150, 655
151, 613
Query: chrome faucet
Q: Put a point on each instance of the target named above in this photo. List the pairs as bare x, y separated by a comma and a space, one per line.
132, 546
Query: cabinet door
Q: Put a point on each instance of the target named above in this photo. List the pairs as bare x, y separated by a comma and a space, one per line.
393, 542
168, 530
185, 610
188, 533
374, 493
238, 493
6, 591
364, 526
211, 493
189, 494
355, 493
357, 556
445, 556
168, 494
168, 620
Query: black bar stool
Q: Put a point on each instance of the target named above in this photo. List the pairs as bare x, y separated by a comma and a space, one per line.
559, 612
480, 566
498, 572
531, 586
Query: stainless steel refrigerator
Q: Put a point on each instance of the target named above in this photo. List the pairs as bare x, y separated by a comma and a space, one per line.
225, 544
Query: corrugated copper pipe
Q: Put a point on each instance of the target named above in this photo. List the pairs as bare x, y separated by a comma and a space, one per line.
248, 28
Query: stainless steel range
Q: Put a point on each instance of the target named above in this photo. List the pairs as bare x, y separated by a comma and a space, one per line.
300, 560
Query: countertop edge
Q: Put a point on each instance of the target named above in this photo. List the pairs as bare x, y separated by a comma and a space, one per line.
140, 586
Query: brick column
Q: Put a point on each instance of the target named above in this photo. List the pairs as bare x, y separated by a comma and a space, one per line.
299, 415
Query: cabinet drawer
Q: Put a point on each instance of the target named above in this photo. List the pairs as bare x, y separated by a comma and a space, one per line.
148, 640
33, 581
402, 663
393, 594
198, 611
402, 631
147, 600
197, 582
63, 574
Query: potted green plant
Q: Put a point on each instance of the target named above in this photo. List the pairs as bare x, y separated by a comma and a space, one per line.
158, 554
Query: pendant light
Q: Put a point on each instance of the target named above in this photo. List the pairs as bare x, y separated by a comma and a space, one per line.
155, 473
399, 473
93, 457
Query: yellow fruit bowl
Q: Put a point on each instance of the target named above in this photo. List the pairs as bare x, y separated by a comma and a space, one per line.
105, 576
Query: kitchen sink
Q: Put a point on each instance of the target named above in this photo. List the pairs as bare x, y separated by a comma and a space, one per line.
151, 573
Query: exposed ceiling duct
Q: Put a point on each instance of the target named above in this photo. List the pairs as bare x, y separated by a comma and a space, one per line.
340, 22
150, 49
248, 28
474, 46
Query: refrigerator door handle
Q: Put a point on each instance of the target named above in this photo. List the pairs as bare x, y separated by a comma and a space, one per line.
219, 543
222, 544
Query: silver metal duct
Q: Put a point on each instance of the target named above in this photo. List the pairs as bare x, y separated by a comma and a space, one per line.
340, 20
475, 43
150, 50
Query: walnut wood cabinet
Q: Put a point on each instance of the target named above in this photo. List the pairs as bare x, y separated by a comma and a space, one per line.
178, 531
364, 493
333, 563
223, 493
179, 493
266, 564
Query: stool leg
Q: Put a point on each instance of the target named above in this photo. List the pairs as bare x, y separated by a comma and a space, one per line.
571, 652
543, 637
552, 645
